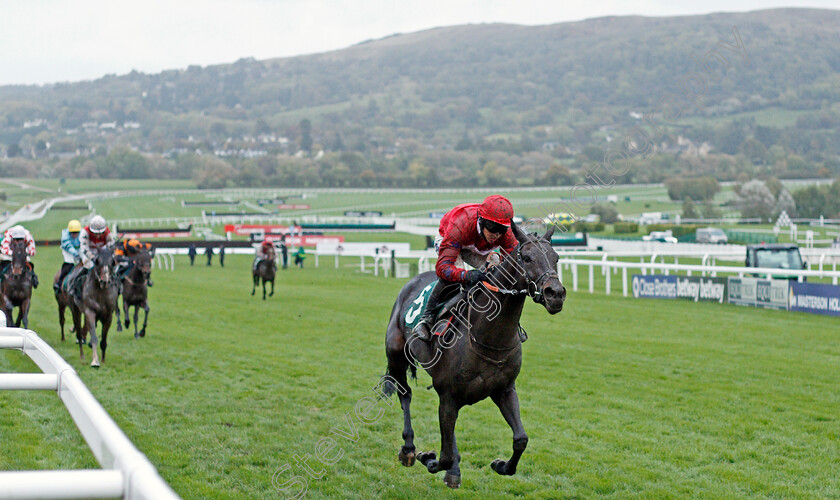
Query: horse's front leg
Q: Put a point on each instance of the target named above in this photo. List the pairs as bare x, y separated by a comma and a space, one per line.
447, 415
90, 320
508, 403
19, 316
25, 309
106, 325
263, 283
145, 318
117, 311
136, 315
272, 289
254, 288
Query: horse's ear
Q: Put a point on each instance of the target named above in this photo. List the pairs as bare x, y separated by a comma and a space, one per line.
548, 234
520, 236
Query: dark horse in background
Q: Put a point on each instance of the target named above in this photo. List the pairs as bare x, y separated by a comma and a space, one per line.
63, 297
97, 301
480, 354
16, 289
135, 290
266, 270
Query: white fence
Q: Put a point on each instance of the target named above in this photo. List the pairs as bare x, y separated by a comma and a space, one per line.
610, 267
126, 473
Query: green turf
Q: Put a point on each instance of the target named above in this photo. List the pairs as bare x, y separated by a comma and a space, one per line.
621, 398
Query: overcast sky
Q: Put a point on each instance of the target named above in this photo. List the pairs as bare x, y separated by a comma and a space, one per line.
43, 41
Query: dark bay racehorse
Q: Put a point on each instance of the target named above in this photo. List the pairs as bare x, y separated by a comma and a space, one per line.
265, 270
135, 291
480, 354
17, 286
63, 298
97, 302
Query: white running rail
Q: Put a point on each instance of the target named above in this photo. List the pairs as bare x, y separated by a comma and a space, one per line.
609, 267
126, 473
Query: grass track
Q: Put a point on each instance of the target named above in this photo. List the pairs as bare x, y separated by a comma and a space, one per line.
621, 398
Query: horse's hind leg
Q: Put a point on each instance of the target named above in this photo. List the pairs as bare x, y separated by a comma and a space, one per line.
272, 289
145, 318
508, 403
80, 331
397, 370
136, 315
263, 288
254, 288
61, 308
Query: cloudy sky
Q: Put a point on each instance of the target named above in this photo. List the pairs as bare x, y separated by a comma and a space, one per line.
43, 41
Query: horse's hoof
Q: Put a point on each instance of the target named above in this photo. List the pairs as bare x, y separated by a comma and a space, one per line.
407, 459
425, 456
136, 335
143, 332
452, 481
94, 364
498, 465
127, 323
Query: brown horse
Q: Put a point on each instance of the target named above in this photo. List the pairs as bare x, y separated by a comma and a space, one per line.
480, 353
63, 298
97, 302
135, 290
16, 290
265, 270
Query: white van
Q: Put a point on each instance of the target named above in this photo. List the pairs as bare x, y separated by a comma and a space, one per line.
711, 235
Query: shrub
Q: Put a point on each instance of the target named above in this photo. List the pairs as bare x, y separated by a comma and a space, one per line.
677, 231
625, 227
589, 227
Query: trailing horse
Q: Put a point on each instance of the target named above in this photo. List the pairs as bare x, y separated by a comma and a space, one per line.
63, 298
265, 269
96, 301
135, 291
478, 355
16, 290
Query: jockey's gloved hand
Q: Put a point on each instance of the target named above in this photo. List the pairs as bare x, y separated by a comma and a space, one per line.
474, 276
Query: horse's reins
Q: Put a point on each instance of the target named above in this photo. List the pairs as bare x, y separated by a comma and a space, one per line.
535, 294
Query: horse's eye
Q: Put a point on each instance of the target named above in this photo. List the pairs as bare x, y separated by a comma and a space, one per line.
526, 258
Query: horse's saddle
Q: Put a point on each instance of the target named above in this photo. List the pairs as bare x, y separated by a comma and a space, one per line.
450, 296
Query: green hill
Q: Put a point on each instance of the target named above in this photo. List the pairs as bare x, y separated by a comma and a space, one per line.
458, 98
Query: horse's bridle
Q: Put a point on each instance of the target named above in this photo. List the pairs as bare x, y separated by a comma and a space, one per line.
536, 293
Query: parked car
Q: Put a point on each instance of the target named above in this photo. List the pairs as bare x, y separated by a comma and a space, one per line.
711, 235
775, 256
661, 236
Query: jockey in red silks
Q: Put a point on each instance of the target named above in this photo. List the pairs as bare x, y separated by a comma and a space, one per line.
264, 251
469, 232
93, 237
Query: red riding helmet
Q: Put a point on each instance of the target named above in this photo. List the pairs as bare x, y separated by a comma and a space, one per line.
496, 208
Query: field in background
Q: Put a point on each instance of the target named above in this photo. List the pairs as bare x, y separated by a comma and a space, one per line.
621, 398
